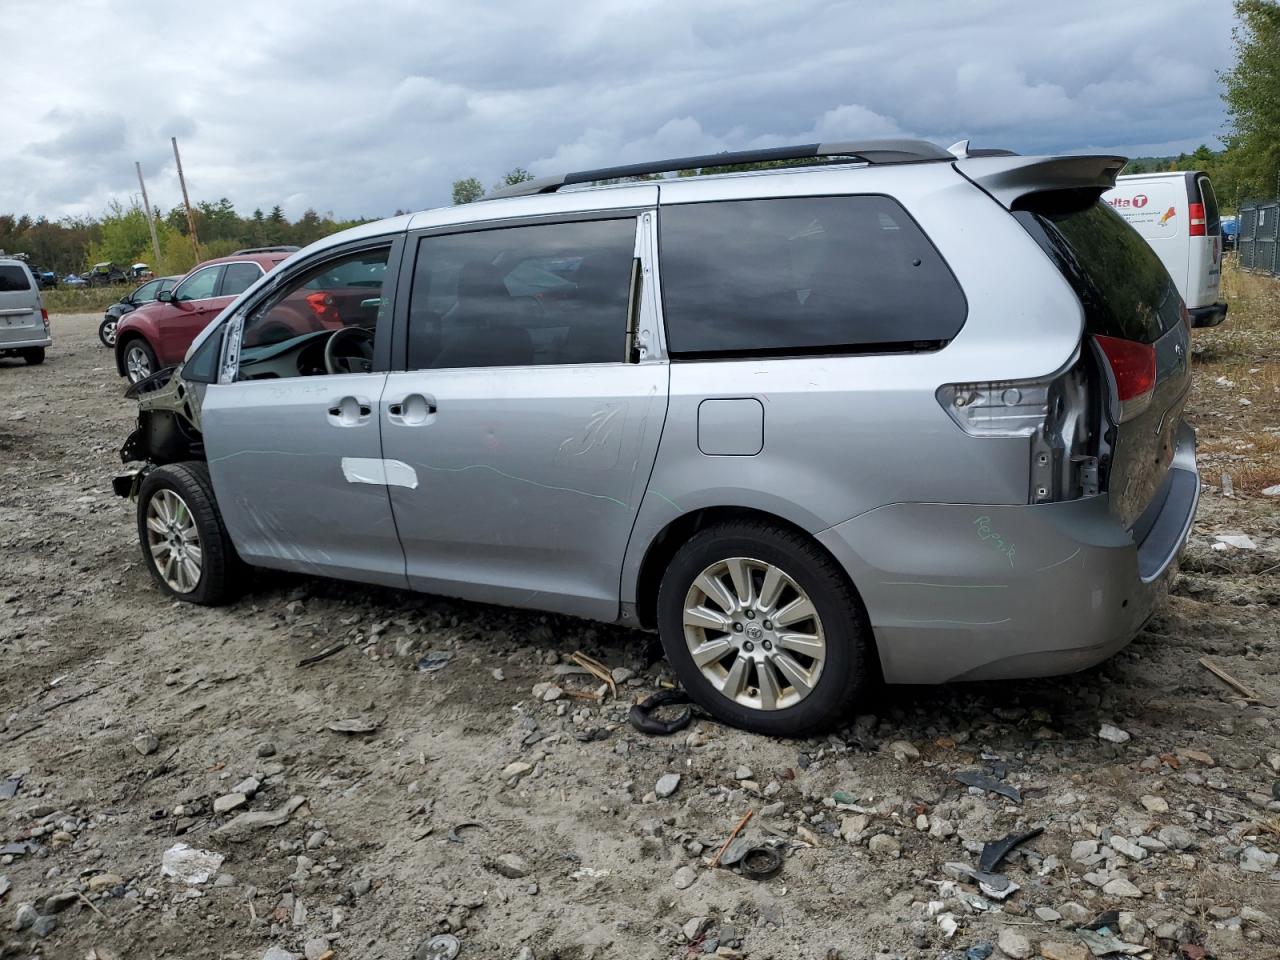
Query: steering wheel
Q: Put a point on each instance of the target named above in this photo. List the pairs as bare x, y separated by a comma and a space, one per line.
360, 360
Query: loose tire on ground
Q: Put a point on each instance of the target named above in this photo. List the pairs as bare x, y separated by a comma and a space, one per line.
219, 568
847, 668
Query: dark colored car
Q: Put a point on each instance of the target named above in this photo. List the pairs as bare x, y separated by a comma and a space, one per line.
130, 302
157, 334
105, 274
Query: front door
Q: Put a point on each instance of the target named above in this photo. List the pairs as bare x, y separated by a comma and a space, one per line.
194, 304
292, 430
522, 434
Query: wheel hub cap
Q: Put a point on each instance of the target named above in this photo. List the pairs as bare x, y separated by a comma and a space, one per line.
174, 541
754, 633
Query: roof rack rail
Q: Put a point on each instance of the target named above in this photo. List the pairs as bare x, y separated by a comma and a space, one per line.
282, 248
867, 151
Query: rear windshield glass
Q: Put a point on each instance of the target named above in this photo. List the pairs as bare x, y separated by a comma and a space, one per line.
802, 275
1125, 289
13, 278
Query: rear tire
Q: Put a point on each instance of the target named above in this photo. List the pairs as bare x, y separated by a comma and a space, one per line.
184, 542
826, 652
33, 355
139, 360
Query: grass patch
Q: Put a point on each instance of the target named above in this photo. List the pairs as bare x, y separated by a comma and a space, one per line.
1235, 399
83, 300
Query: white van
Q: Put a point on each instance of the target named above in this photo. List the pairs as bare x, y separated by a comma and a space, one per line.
1177, 213
24, 323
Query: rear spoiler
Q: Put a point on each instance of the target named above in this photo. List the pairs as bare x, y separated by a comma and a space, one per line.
1008, 179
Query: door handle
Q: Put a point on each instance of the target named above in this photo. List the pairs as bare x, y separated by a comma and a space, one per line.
350, 412
414, 410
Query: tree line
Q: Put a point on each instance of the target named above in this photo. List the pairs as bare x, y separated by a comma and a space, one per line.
121, 235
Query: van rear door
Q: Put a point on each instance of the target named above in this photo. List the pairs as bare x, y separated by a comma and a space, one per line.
1139, 332
20, 317
1204, 261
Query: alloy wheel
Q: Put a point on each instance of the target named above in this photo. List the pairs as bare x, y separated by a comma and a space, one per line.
174, 541
754, 633
109, 332
137, 363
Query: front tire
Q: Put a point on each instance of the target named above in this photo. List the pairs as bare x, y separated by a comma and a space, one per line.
763, 629
107, 331
184, 542
33, 355
139, 360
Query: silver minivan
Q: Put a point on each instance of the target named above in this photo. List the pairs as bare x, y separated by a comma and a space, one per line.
890, 411
24, 323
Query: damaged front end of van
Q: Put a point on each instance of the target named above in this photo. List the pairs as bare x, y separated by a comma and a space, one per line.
168, 428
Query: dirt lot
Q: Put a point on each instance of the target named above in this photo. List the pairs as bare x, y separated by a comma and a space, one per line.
126, 717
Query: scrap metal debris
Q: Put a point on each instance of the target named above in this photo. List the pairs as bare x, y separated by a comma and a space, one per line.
455, 832
354, 725
760, 863
641, 714
323, 654
715, 861
443, 946
434, 660
976, 778
994, 851
9, 788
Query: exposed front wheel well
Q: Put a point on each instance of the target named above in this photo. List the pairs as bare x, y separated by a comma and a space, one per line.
678, 532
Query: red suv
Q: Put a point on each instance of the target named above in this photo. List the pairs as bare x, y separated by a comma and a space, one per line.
158, 334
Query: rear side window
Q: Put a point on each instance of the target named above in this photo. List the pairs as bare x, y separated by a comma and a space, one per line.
802, 275
1124, 288
1212, 218
239, 277
13, 278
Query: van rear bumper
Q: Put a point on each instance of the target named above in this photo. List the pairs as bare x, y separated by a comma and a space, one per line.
980, 592
1209, 316
45, 341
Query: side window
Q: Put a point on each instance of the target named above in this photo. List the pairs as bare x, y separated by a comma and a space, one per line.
323, 320
147, 291
239, 277
200, 285
802, 275
518, 296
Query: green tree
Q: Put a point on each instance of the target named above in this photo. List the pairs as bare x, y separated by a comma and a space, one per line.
1252, 94
512, 177
467, 191
125, 236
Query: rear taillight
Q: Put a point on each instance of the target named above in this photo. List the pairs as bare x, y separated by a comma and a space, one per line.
322, 306
1197, 220
1052, 413
1133, 367
44, 315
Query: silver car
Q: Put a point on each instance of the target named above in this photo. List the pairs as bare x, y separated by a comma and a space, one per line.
901, 413
24, 323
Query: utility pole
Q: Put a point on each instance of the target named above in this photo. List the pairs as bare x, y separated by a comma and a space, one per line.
186, 201
151, 220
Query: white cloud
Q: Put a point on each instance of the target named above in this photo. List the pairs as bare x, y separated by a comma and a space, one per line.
364, 109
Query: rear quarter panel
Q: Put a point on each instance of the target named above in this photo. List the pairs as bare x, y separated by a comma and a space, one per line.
846, 434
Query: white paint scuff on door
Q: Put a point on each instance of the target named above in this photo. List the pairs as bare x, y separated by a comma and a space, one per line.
382, 473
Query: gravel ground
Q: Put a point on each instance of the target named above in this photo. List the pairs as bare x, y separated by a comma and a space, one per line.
136, 724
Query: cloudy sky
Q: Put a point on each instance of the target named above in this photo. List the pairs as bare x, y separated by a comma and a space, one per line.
360, 108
